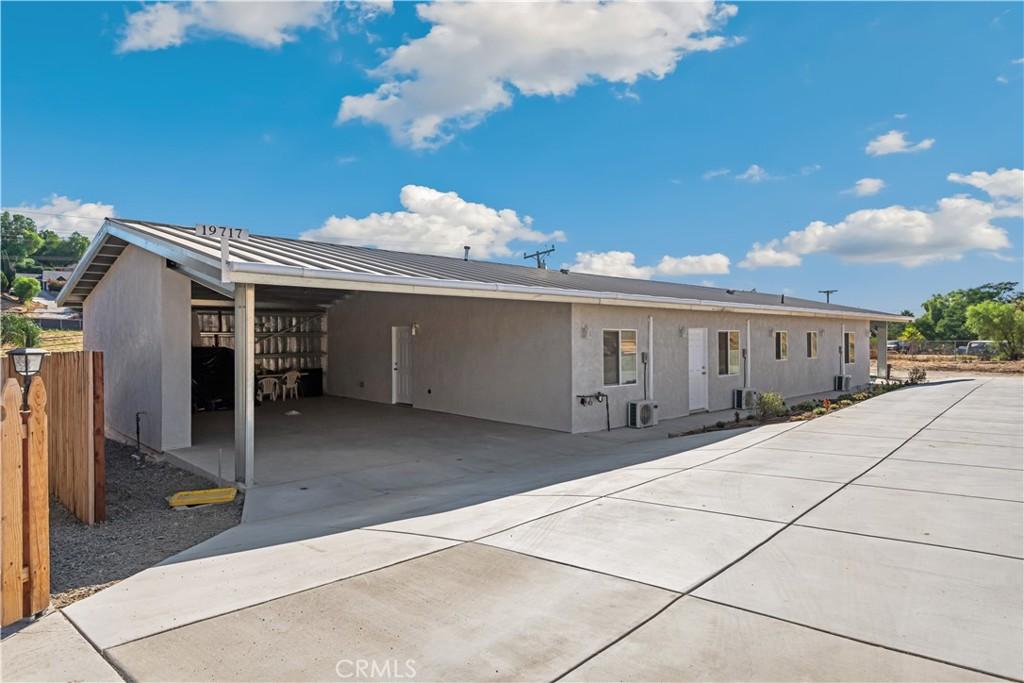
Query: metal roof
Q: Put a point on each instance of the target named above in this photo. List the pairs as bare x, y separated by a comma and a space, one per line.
284, 261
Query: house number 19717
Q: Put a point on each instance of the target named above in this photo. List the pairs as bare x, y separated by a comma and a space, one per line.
204, 230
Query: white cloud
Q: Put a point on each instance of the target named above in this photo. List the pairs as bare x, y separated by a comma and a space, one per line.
895, 142
365, 11
715, 173
264, 24
910, 237
65, 216
1002, 79
435, 222
1019, 61
478, 56
754, 174
865, 187
1004, 182
769, 256
623, 264
703, 264
900, 116
810, 169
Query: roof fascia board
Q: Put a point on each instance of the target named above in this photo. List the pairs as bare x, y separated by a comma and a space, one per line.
98, 242
272, 274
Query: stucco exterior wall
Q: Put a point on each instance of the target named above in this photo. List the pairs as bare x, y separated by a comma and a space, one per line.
138, 315
796, 376
508, 361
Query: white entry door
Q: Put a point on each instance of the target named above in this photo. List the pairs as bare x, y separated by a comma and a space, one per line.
698, 337
401, 365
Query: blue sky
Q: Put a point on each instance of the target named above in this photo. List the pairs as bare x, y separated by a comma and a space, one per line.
673, 142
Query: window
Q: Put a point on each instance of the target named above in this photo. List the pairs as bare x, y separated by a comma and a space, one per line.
728, 352
619, 357
781, 345
849, 348
812, 344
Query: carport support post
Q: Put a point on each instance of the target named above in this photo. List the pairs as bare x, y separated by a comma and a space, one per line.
882, 339
245, 382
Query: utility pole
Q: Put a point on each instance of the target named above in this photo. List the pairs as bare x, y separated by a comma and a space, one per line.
539, 255
828, 294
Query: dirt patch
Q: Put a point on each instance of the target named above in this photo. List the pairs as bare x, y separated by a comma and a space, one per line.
902, 364
140, 530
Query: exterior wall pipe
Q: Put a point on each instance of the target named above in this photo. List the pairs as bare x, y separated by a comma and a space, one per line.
650, 354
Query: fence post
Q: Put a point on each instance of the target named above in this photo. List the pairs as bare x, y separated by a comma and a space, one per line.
11, 533
99, 440
37, 501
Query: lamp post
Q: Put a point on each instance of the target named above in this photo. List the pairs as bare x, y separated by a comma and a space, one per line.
27, 363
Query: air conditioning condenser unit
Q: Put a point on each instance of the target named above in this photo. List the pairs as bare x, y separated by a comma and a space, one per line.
641, 414
744, 399
841, 383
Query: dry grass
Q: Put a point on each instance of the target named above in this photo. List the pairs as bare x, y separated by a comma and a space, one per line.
57, 340
904, 363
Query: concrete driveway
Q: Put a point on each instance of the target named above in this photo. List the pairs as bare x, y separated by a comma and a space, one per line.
883, 542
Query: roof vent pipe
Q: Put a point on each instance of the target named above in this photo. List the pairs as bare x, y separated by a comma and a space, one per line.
466, 255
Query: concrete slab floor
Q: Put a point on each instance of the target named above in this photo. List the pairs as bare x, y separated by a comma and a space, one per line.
576, 581
663, 546
800, 464
51, 649
776, 499
962, 454
169, 596
963, 480
471, 613
934, 518
956, 606
696, 640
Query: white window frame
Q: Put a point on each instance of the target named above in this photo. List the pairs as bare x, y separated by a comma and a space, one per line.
728, 351
849, 358
619, 331
775, 345
815, 333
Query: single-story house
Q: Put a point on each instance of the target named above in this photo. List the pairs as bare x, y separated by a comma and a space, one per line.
554, 349
54, 280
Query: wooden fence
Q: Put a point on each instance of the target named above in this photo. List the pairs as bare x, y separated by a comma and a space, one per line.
25, 522
74, 383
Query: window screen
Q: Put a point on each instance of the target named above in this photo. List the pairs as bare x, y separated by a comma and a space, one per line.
781, 345
620, 363
728, 352
611, 356
812, 344
849, 348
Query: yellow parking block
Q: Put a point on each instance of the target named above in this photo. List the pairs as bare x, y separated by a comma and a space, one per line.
202, 497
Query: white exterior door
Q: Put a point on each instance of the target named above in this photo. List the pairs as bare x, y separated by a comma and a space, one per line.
401, 365
698, 340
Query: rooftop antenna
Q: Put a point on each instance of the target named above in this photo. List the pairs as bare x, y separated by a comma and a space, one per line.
466, 256
539, 255
828, 294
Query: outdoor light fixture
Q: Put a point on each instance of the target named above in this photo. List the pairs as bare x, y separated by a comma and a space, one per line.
584, 331
27, 363
415, 329
682, 330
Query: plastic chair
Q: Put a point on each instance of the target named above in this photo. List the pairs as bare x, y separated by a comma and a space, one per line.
268, 386
291, 383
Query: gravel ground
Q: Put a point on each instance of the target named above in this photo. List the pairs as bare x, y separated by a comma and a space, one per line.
140, 529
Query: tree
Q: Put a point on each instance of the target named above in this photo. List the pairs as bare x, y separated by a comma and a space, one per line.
25, 288
17, 330
945, 315
4, 282
911, 333
20, 241
1002, 322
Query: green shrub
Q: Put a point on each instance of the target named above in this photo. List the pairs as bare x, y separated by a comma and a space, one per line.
820, 410
845, 402
805, 406
771, 404
719, 424
17, 330
25, 287
917, 375
861, 396
4, 282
